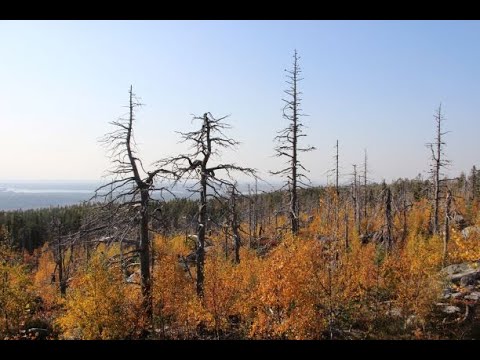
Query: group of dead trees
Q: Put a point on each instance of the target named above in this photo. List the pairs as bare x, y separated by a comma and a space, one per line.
127, 212
131, 186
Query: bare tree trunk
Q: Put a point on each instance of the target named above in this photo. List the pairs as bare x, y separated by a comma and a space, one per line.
122, 260
436, 191
288, 147
56, 224
336, 172
250, 217
256, 212
345, 218
337, 194
235, 226
446, 239
294, 214
404, 213
61, 277
202, 223
145, 256
388, 218
438, 163
355, 200
474, 182
365, 196
225, 230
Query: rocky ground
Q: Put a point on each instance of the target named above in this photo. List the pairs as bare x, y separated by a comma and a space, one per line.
457, 312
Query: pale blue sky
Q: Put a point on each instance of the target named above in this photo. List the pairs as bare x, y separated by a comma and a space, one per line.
370, 84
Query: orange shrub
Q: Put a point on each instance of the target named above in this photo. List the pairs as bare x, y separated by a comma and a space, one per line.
100, 305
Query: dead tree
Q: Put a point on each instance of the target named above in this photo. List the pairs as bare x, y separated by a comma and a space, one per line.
473, 183
446, 238
405, 207
206, 144
345, 219
234, 224
365, 190
288, 142
62, 245
131, 189
438, 163
256, 213
337, 190
356, 210
336, 170
388, 226
58, 247
250, 217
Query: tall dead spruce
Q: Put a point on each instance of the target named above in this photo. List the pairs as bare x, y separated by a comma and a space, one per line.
288, 142
438, 163
206, 144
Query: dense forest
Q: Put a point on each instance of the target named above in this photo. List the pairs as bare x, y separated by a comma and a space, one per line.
356, 260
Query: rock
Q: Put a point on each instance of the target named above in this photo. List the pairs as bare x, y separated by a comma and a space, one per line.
469, 278
465, 273
450, 309
452, 295
457, 268
39, 333
471, 231
395, 312
473, 296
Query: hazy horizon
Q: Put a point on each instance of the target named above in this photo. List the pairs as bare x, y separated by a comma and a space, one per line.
370, 84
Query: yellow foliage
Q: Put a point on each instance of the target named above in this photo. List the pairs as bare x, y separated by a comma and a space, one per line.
100, 305
462, 249
419, 217
314, 285
176, 306
228, 291
412, 275
44, 287
15, 292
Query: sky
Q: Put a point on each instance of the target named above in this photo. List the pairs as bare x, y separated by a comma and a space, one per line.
372, 85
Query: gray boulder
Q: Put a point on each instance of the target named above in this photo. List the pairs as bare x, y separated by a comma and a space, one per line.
450, 309
470, 231
464, 274
475, 295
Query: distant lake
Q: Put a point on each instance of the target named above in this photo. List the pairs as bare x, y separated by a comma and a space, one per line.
32, 195
24, 195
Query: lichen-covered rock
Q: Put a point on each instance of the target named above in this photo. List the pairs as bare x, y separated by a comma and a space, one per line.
450, 309
471, 231
473, 296
464, 274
